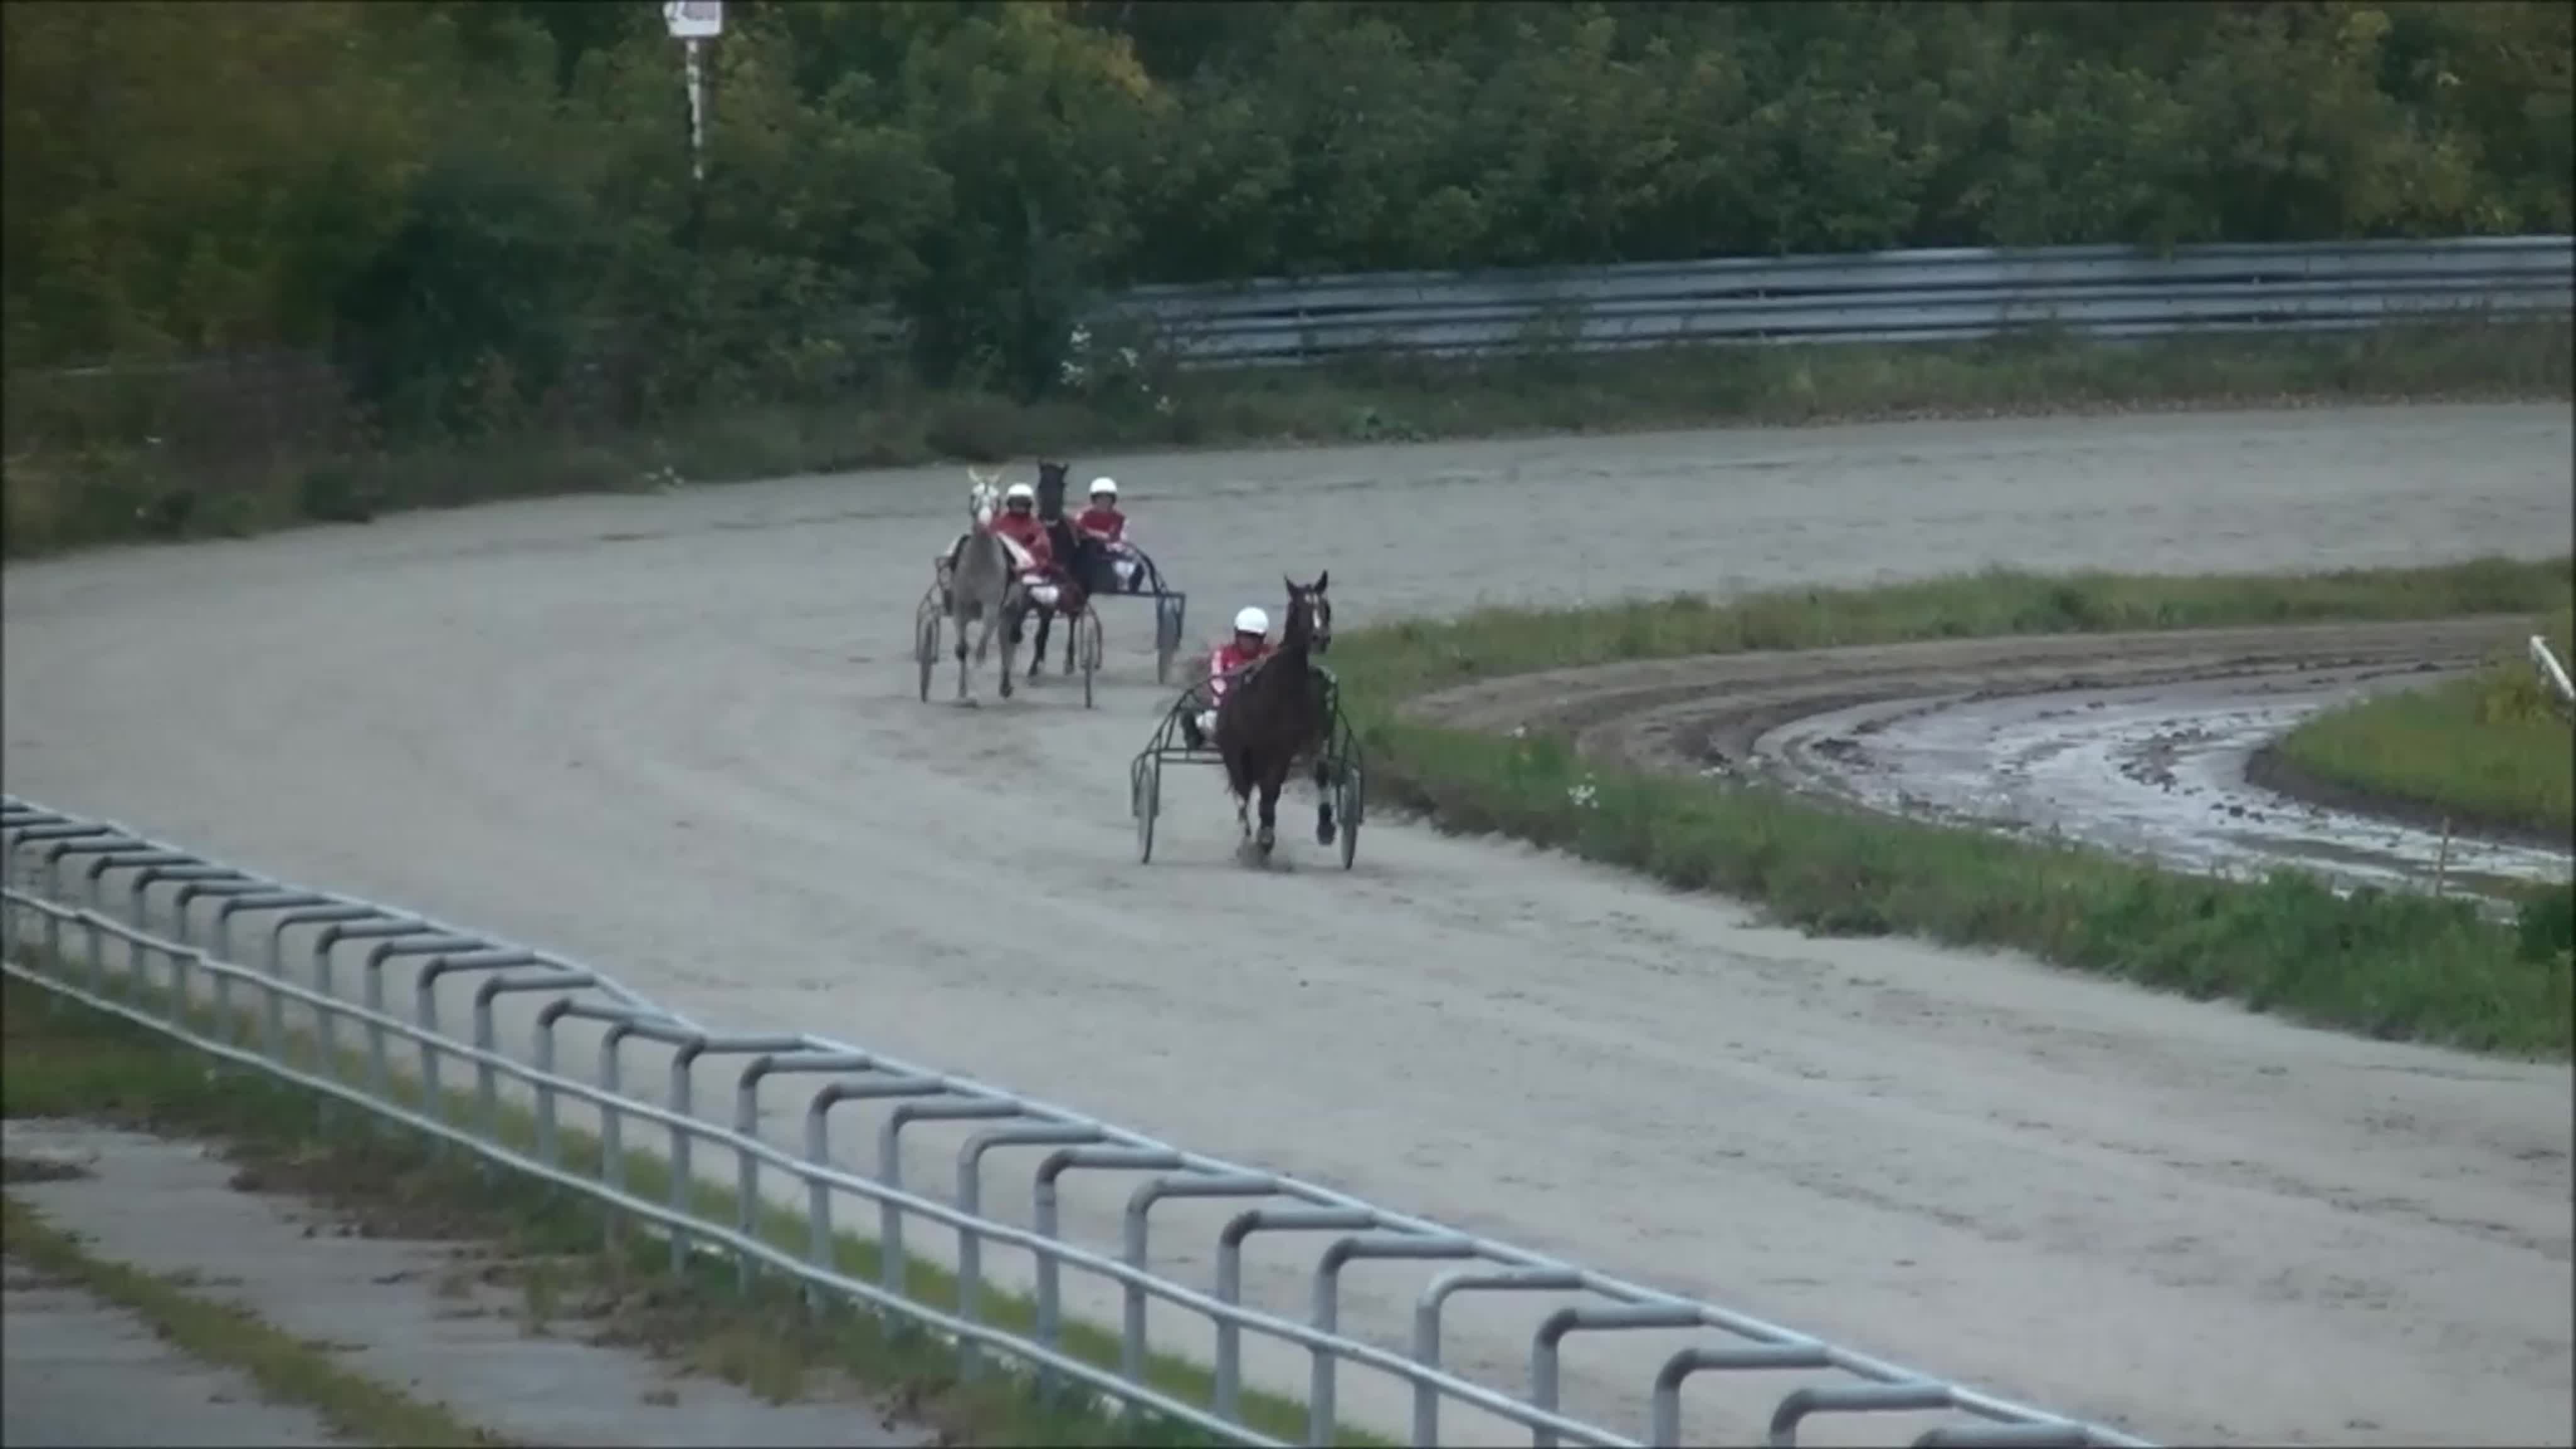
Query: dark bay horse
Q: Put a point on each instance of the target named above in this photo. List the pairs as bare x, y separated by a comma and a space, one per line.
1077, 555
1278, 714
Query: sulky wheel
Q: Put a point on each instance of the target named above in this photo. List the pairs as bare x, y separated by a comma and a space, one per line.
1145, 798
1347, 805
925, 646
1169, 612
1090, 641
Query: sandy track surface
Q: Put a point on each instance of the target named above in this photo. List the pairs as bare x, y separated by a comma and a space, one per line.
676, 736
2132, 742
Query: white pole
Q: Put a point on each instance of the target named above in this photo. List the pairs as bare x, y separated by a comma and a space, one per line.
697, 113
2550, 669
691, 22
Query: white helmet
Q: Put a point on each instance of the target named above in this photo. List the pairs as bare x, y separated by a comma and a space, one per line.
1018, 491
1104, 485
1251, 621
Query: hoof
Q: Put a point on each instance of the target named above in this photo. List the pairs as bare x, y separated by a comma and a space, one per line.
1323, 832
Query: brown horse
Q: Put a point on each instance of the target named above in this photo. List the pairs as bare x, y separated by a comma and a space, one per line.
1277, 714
1080, 565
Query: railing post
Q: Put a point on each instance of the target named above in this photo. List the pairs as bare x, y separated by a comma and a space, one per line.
746, 1120
970, 1200
818, 1149
1229, 1281
683, 1181
1426, 1326
1141, 1203
612, 1126
1553, 1329
486, 1037
1666, 1432
1131, 1337
890, 1168
1328, 1307
1864, 1399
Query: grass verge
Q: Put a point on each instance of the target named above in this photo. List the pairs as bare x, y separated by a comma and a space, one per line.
2492, 750
65, 1059
284, 1366
2387, 965
104, 491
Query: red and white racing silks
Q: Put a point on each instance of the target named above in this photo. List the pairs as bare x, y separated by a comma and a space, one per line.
1228, 663
1106, 524
1030, 536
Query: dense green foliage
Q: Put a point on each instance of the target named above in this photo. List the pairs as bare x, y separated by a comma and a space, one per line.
2390, 964
484, 212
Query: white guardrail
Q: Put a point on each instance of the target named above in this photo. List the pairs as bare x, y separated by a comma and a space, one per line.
2552, 673
1898, 296
146, 930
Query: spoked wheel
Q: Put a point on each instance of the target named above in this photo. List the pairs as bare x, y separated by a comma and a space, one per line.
1145, 799
1347, 798
1090, 641
1170, 613
925, 645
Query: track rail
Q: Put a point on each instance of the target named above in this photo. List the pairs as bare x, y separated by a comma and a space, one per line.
68, 931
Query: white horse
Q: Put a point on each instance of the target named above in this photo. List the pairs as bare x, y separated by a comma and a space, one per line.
983, 585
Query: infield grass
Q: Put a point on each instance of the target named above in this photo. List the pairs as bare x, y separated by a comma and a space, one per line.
2493, 749
2383, 964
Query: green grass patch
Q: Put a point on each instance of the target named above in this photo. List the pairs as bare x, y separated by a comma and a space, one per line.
287, 1368
2494, 749
2388, 965
65, 1059
95, 489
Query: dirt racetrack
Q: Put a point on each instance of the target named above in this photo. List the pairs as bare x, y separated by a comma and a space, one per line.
676, 736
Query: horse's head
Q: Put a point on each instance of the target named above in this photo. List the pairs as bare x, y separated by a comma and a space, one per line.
983, 497
1310, 614
1050, 490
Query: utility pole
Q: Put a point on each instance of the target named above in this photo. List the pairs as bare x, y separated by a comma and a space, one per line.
693, 23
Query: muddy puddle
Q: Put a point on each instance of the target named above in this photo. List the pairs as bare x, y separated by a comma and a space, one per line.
2154, 769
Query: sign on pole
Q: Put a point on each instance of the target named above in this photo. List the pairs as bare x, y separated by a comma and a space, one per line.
693, 21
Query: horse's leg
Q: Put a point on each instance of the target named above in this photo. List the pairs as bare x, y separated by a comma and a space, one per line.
1270, 782
965, 685
1238, 783
1037, 651
1323, 802
1010, 646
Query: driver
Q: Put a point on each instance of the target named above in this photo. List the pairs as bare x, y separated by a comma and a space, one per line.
1019, 523
1232, 659
1104, 522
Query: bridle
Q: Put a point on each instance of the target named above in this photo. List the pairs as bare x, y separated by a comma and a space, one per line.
1319, 621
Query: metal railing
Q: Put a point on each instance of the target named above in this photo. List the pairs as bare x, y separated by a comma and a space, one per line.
1899, 296
101, 950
